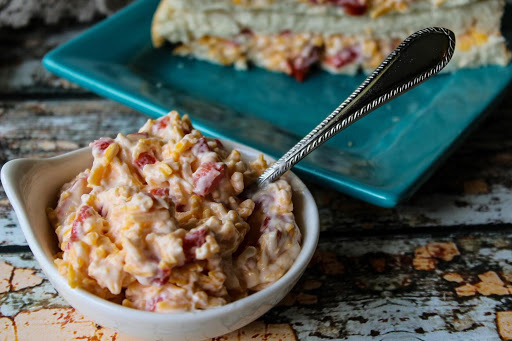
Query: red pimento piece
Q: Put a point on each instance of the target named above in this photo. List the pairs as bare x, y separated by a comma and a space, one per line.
101, 144
351, 7
145, 158
192, 241
207, 177
342, 58
299, 74
267, 228
219, 144
162, 277
162, 123
151, 304
264, 225
201, 146
247, 31
278, 235
159, 192
299, 66
83, 214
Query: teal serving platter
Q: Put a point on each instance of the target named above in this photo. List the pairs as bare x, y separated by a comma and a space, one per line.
382, 159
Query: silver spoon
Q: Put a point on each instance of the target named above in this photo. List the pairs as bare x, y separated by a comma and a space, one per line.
416, 59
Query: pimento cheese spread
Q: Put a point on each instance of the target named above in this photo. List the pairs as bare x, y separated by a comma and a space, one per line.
157, 223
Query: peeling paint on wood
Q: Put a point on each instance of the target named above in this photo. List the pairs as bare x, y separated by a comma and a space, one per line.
5, 276
261, 331
362, 301
25, 278
67, 324
29, 290
504, 323
32, 307
7, 330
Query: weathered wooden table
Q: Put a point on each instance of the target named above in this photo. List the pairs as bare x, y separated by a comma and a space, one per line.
438, 267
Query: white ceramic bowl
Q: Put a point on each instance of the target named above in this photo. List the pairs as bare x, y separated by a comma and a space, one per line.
32, 185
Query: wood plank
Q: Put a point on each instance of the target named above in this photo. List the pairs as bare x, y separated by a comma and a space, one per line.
367, 287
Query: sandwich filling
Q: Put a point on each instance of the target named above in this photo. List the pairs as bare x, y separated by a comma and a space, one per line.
292, 36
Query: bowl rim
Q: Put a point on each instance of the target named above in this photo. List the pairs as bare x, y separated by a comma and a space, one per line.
11, 181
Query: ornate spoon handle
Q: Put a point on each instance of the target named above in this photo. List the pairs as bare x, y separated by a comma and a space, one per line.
417, 58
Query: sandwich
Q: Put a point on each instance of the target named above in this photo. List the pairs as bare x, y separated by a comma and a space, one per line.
340, 36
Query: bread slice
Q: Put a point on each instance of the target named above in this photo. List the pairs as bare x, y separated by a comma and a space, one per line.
292, 42
371, 8
184, 26
162, 14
